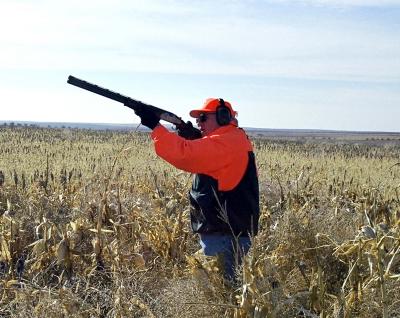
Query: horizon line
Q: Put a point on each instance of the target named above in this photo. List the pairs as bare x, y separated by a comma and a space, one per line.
2, 122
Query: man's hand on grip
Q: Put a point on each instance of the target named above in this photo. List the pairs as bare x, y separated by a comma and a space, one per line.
147, 118
189, 132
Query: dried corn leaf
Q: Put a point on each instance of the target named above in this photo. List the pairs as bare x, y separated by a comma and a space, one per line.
5, 252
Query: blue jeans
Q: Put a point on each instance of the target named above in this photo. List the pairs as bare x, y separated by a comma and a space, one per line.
231, 249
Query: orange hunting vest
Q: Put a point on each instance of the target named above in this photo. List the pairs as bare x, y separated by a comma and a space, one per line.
224, 198
223, 155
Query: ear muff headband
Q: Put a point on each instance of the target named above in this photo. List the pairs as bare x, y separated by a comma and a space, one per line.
223, 114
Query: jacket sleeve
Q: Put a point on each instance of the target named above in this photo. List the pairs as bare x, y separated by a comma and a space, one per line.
204, 155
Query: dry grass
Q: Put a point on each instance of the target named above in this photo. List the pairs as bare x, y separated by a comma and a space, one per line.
93, 224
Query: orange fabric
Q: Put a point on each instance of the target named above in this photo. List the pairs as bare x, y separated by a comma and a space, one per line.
222, 155
210, 106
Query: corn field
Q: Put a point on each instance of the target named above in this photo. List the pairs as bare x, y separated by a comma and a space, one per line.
93, 224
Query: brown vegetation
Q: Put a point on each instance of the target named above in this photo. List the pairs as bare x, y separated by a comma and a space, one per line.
93, 224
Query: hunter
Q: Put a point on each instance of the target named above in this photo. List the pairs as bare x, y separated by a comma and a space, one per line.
224, 197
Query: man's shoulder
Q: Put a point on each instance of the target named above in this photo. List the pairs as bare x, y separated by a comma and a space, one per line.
228, 130
231, 136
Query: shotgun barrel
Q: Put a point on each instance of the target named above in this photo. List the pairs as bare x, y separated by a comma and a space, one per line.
127, 101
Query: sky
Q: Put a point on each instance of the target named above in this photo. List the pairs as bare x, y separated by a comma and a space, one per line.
289, 64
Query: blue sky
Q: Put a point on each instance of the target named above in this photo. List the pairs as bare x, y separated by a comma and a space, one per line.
316, 64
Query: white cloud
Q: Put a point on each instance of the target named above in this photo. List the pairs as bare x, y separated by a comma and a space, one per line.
214, 38
344, 3
261, 40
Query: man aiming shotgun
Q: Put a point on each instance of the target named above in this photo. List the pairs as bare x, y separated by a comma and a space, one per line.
224, 197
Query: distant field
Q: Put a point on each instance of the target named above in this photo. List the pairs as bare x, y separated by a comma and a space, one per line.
94, 224
376, 138
275, 134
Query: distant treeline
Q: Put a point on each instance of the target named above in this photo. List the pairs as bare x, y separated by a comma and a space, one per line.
66, 125
12, 124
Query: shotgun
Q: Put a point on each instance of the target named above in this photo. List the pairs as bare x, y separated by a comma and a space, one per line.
137, 105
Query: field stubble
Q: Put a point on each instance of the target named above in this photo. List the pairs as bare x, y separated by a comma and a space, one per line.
93, 224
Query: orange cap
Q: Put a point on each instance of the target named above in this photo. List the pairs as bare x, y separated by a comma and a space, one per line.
210, 106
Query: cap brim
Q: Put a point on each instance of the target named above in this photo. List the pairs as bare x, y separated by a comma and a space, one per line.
196, 112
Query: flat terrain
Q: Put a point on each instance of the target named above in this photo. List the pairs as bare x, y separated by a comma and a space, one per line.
274, 134
94, 224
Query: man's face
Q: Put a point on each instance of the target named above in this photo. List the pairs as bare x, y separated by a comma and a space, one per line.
207, 122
